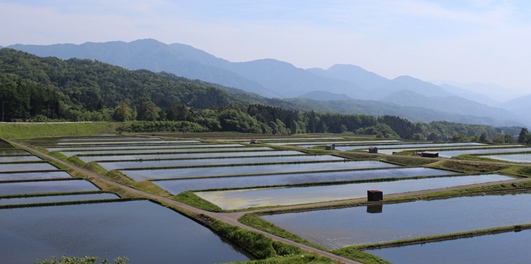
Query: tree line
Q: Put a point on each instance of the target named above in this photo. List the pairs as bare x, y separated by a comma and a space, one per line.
50, 89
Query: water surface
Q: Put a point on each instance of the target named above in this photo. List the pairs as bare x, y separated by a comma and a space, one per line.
58, 198
212, 162
5, 159
453, 153
336, 228
26, 167
142, 231
155, 151
24, 176
241, 199
193, 155
177, 186
13, 152
510, 247
139, 175
141, 147
524, 157
11, 188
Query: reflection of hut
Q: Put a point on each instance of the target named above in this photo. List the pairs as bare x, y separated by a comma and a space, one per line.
374, 195
373, 149
254, 141
330, 146
429, 154
374, 208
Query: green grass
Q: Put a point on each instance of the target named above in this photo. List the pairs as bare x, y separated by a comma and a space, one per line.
476, 158
190, 198
38, 130
259, 223
467, 166
357, 254
262, 247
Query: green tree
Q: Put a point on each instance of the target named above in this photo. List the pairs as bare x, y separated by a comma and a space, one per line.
148, 111
522, 137
123, 112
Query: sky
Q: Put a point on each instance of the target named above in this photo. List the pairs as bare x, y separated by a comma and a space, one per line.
463, 41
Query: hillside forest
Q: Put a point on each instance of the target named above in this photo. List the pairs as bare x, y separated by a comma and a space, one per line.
36, 89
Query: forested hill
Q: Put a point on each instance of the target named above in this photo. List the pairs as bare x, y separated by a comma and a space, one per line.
61, 89
49, 89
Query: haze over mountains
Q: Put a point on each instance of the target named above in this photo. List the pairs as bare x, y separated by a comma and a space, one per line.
341, 88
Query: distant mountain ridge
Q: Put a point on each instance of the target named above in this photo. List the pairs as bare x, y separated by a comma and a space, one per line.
277, 79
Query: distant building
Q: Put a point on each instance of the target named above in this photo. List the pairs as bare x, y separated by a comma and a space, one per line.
429, 154
255, 141
373, 149
330, 146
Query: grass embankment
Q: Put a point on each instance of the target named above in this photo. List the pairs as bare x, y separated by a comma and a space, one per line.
258, 223
18, 130
262, 247
190, 198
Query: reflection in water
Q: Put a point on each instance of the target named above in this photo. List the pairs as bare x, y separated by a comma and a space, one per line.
142, 231
337, 228
374, 208
510, 247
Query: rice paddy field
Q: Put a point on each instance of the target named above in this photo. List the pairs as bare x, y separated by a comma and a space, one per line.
235, 175
44, 212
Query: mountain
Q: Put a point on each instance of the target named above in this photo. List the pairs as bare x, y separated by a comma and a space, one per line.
378, 108
473, 96
351, 73
449, 104
324, 96
276, 79
152, 55
407, 83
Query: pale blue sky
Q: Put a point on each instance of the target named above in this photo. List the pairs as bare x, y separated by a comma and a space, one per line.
464, 41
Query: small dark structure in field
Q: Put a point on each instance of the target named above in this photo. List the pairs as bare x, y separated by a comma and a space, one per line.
429, 154
374, 195
255, 141
373, 149
330, 146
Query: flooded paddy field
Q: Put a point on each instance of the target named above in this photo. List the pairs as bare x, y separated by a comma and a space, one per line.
163, 150
510, 247
453, 153
58, 198
6, 167
11, 159
524, 157
267, 153
212, 162
52, 186
178, 186
140, 147
139, 175
452, 149
309, 144
242, 199
337, 228
142, 231
13, 152
414, 146
28, 176
138, 141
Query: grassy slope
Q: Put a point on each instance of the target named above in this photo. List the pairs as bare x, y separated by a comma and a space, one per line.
27, 130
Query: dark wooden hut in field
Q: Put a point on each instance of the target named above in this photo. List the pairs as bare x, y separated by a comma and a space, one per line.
429, 154
373, 149
330, 146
